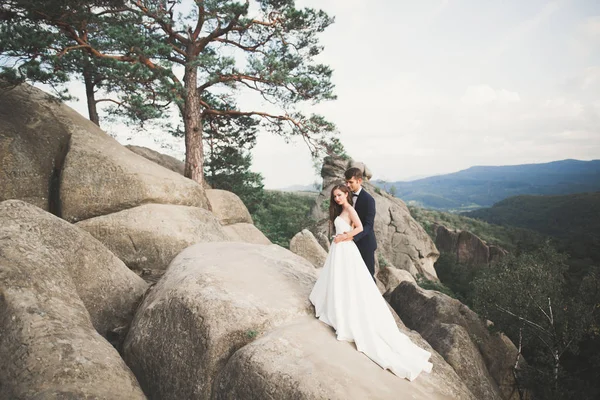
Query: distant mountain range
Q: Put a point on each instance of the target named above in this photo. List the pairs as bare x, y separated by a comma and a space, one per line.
483, 186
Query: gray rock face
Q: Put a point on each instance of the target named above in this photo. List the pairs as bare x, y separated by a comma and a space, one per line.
401, 241
471, 250
392, 277
306, 245
107, 288
49, 346
228, 207
333, 171
458, 334
73, 168
101, 177
213, 299
33, 144
231, 321
148, 237
246, 233
466, 247
304, 360
445, 239
161, 159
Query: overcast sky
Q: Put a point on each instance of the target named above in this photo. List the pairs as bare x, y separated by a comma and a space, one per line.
433, 86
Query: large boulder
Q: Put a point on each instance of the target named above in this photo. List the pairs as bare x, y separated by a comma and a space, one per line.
333, 170
146, 238
213, 299
390, 278
231, 321
401, 240
459, 335
73, 168
48, 286
100, 177
161, 159
246, 233
306, 245
303, 360
466, 248
445, 239
33, 145
471, 250
228, 207
107, 288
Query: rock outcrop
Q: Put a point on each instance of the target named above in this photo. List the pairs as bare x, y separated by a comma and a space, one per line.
64, 163
235, 218
306, 245
401, 241
33, 144
467, 248
304, 360
146, 238
161, 159
100, 177
57, 284
390, 278
213, 299
233, 320
228, 207
247, 233
484, 360
227, 319
107, 288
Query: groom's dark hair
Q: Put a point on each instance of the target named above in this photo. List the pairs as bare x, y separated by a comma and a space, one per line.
353, 173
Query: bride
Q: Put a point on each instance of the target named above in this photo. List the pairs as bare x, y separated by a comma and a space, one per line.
346, 298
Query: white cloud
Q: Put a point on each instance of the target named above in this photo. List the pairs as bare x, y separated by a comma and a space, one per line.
484, 94
591, 27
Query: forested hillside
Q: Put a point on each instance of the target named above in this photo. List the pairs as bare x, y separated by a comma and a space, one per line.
572, 220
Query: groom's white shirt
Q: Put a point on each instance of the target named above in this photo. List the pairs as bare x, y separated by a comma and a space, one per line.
354, 195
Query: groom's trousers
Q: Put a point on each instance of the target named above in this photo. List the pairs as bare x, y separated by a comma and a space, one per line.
369, 257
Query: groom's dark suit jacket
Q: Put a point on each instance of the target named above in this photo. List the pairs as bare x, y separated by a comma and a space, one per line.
365, 240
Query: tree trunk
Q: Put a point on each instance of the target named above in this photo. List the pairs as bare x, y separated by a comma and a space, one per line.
192, 122
88, 78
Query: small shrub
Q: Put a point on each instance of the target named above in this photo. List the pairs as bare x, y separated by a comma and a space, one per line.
252, 333
427, 284
325, 205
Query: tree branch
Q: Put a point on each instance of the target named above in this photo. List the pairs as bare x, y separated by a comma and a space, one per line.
201, 19
533, 324
67, 49
109, 100
232, 78
167, 28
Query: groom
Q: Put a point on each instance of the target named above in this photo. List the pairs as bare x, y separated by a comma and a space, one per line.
364, 204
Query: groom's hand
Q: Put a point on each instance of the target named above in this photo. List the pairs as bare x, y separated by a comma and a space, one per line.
344, 237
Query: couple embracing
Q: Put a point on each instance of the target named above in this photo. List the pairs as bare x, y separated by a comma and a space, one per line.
346, 297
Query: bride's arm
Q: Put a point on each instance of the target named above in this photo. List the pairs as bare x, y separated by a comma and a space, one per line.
358, 227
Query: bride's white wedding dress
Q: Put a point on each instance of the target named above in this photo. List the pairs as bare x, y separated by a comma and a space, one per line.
346, 298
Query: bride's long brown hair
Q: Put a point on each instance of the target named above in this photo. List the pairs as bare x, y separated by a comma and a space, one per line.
334, 208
